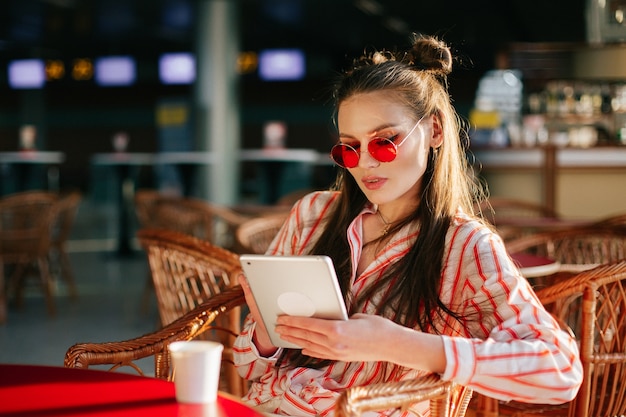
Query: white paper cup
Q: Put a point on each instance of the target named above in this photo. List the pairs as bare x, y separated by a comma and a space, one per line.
197, 367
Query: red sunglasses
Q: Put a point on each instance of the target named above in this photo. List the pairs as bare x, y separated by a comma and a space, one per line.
381, 149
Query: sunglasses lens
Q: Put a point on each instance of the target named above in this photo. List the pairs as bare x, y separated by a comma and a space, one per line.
344, 156
382, 149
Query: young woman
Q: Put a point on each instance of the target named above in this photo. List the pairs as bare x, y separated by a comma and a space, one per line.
429, 286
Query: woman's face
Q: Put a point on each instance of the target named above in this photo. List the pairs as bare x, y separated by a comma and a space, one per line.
380, 114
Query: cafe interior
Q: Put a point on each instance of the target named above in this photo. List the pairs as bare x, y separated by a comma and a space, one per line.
146, 144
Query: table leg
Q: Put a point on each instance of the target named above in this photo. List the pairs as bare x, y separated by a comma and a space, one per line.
187, 177
3, 297
124, 201
23, 176
270, 177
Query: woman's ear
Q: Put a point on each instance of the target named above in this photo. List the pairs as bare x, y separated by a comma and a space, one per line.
436, 138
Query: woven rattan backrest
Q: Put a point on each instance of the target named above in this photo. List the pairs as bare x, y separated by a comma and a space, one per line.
187, 215
593, 304
66, 208
500, 211
501, 208
289, 199
25, 221
186, 271
255, 235
174, 213
144, 200
584, 247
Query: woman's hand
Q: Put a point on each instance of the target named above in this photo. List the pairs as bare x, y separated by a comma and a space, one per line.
364, 338
260, 338
361, 338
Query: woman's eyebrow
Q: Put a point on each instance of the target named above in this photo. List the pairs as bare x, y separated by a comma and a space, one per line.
371, 132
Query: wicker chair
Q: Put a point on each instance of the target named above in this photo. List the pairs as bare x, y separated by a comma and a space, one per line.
25, 223
592, 305
66, 208
614, 221
446, 399
497, 210
292, 197
576, 249
188, 215
125, 354
186, 272
255, 235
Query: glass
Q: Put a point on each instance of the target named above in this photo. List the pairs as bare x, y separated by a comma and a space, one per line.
381, 149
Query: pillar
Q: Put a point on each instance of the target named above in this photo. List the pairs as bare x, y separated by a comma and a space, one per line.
216, 98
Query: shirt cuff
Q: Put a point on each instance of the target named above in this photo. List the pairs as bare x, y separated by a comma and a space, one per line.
460, 359
255, 351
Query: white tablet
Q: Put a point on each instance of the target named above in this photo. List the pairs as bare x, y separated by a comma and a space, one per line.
293, 285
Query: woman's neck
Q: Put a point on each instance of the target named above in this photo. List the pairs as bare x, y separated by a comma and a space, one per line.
392, 214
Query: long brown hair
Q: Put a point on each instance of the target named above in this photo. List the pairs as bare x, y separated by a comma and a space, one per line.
418, 78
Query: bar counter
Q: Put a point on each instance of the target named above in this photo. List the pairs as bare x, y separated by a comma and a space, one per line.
598, 157
576, 182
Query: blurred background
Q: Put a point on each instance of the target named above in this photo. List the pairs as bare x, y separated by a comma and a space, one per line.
77, 113
227, 101
87, 79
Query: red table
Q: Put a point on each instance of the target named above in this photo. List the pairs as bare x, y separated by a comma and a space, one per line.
33, 390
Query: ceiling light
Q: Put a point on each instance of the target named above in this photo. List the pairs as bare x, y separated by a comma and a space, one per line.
396, 25
371, 7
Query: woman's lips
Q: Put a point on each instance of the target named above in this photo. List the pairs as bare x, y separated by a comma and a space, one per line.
373, 183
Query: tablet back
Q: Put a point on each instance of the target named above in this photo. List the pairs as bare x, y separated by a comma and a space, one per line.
294, 285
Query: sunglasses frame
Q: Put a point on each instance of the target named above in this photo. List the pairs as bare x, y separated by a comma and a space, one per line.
373, 140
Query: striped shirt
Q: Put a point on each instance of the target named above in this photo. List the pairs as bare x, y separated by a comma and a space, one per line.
511, 350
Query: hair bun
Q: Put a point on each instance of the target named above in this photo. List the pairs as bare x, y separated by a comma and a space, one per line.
429, 53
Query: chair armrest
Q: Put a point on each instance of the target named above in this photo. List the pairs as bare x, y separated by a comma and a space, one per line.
124, 353
446, 398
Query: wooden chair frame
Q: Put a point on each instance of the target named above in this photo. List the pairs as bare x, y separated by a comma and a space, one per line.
615, 221
155, 344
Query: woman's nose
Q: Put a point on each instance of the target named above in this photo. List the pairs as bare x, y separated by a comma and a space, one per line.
366, 160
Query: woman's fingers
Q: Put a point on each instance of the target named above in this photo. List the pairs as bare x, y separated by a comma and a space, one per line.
261, 338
